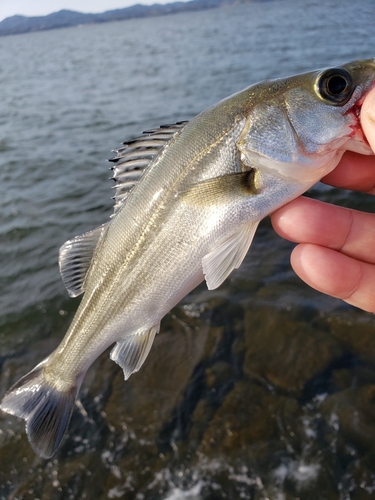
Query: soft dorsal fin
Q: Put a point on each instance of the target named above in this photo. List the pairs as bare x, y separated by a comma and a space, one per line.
75, 259
135, 156
131, 351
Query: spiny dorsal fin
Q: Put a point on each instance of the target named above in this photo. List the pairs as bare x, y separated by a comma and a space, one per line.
75, 259
131, 351
135, 156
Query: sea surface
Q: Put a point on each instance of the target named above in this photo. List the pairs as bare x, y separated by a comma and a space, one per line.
262, 389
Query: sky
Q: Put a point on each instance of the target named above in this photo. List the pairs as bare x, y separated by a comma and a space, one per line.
43, 7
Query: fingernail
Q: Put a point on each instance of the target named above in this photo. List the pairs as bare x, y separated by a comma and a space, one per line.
368, 107
368, 118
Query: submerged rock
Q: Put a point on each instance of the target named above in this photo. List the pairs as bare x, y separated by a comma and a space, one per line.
234, 401
285, 351
353, 410
356, 333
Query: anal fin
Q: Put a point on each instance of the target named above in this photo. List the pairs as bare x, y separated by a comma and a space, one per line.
220, 262
131, 351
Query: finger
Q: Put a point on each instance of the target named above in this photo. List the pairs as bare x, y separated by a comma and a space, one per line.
355, 171
336, 274
368, 118
310, 221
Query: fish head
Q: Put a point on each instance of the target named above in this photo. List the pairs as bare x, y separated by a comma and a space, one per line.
299, 127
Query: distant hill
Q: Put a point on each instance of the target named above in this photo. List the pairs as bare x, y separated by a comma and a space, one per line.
65, 18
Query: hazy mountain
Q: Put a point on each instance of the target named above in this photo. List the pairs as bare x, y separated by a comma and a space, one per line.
64, 18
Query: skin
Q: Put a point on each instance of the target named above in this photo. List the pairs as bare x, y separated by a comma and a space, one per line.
335, 254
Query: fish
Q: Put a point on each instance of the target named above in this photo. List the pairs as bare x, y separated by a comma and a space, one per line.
188, 199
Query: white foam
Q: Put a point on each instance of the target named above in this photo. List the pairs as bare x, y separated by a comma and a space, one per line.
192, 493
300, 472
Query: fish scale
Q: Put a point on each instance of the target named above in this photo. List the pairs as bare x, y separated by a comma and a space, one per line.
188, 200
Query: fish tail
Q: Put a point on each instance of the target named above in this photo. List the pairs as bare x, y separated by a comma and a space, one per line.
46, 409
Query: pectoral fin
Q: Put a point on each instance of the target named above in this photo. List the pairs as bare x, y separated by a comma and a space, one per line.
220, 262
222, 189
131, 352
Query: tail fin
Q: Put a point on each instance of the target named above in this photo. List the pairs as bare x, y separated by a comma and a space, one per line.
47, 410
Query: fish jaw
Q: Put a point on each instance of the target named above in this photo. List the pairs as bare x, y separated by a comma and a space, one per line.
357, 141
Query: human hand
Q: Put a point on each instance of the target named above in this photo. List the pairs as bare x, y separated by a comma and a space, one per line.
336, 251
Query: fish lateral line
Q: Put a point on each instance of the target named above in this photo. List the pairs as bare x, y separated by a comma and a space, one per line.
188, 200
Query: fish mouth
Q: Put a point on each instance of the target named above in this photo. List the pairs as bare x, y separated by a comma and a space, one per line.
358, 142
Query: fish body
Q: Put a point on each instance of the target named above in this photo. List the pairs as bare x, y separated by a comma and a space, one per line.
188, 200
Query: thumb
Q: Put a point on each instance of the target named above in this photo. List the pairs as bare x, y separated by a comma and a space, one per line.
368, 118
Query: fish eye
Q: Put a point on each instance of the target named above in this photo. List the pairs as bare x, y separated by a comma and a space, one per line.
335, 86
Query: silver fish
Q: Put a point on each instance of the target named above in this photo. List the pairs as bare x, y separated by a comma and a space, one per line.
188, 200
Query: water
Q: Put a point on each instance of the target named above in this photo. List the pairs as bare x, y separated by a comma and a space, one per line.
268, 392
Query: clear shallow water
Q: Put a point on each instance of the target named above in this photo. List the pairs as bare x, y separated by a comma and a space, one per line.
67, 98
